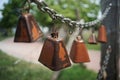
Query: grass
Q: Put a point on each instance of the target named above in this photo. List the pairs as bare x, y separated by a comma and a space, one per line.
22, 70
29, 71
93, 46
77, 72
4, 37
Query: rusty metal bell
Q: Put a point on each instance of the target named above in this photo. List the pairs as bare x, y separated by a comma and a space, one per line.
92, 39
102, 35
54, 54
27, 29
79, 53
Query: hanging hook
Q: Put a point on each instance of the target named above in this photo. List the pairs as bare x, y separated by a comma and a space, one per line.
93, 30
80, 37
26, 8
70, 32
80, 29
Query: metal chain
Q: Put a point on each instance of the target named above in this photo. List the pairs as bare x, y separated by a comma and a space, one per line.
56, 16
105, 63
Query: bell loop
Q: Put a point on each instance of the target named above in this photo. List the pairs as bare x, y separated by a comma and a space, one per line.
80, 29
79, 39
54, 35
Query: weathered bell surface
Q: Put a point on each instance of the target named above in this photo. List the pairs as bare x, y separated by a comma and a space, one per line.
102, 34
54, 54
92, 39
27, 29
79, 53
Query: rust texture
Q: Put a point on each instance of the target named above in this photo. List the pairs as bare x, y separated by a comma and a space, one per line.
54, 55
79, 53
27, 29
102, 34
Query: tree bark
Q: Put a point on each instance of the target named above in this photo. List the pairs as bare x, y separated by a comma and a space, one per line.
118, 57
113, 27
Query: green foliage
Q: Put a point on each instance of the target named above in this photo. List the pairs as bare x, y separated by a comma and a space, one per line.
10, 16
42, 18
68, 7
77, 72
4, 35
22, 70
